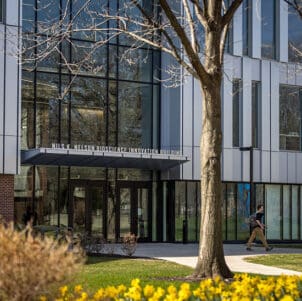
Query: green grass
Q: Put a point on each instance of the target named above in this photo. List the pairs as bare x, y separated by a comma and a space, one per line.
103, 271
285, 261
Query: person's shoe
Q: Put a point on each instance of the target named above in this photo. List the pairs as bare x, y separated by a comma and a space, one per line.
248, 249
268, 249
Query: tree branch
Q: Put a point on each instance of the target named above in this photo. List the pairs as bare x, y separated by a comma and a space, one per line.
296, 6
228, 16
191, 26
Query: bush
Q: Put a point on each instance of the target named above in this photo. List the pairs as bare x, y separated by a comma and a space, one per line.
129, 244
29, 265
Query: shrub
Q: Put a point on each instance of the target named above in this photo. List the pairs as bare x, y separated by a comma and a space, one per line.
129, 244
29, 265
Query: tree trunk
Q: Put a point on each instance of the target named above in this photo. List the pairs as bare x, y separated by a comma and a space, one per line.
211, 262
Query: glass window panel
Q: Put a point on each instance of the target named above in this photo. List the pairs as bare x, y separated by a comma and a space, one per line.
223, 211
246, 29
295, 212
87, 173
243, 211
63, 201
290, 117
142, 212
28, 15
111, 209
272, 211
300, 211
97, 206
125, 210
47, 116
259, 196
192, 213
48, 13
135, 115
294, 36
180, 209
256, 115
51, 57
89, 58
46, 195
236, 111
86, 18
112, 113
112, 61
154, 210
268, 27
135, 64
27, 113
286, 212
88, 124
23, 192
134, 174
231, 211
79, 195
156, 122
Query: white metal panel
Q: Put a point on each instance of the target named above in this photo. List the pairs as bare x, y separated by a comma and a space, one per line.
12, 12
187, 168
1, 154
227, 100
197, 111
11, 85
256, 70
282, 27
1, 79
256, 29
231, 169
265, 105
291, 167
187, 109
299, 167
265, 166
256, 165
245, 166
237, 32
274, 106
196, 163
237, 67
283, 73
246, 102
298, 73
10, 150
279, 167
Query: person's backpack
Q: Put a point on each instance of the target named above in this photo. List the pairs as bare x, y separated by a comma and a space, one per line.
252, 220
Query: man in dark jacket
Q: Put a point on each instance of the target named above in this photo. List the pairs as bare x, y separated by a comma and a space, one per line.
258, 230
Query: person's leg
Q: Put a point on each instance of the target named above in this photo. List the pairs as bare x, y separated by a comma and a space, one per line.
251, 239
260, 234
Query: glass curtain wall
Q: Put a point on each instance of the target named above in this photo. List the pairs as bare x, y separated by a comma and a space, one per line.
294, 36
108, 102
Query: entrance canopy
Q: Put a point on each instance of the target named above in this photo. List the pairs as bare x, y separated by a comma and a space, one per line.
108, 159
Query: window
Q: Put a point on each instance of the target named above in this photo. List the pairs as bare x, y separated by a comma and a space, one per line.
1, 10
294, 36
268, 26
236, 111
246, 28
290, 117
256, 114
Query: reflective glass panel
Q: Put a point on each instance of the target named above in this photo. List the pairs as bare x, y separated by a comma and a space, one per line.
142, 212
180, 209
268, 27
135, 115
256, 116
243, 211
192, 214
79, 195
231, 211
286, 212
294, 36
97, 204
125, 211
272, 211
237, 86
295, 212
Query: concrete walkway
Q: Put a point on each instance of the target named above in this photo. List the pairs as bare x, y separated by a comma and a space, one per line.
185, 254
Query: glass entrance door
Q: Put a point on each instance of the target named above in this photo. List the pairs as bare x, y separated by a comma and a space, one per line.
87, 210
135, 212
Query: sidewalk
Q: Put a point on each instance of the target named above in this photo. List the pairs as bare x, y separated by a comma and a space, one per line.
186, 254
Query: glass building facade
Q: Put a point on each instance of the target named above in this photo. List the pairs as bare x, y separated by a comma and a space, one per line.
113, 103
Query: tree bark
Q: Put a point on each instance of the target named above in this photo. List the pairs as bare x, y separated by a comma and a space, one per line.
211, 261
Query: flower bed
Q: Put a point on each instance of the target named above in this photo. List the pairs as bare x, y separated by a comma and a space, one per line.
243, 288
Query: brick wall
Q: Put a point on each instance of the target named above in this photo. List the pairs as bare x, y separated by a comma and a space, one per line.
7, 197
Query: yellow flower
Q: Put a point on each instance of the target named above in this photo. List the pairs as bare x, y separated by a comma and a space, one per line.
287, 298
63, 290
43, 298
135, 282
78, 289
149, 290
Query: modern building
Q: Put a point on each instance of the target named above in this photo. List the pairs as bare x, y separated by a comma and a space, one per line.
119, 152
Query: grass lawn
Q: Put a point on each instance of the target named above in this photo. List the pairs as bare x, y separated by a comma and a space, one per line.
285, 261
103, 271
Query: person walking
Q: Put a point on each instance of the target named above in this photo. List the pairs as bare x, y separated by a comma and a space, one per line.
258, 230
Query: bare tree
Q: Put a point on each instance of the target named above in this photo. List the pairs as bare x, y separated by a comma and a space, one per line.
193, 32
296, 4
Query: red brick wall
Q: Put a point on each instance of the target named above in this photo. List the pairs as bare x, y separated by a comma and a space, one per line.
7, 197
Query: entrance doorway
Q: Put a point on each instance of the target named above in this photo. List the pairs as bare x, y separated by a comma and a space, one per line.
134, 209
87, 207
